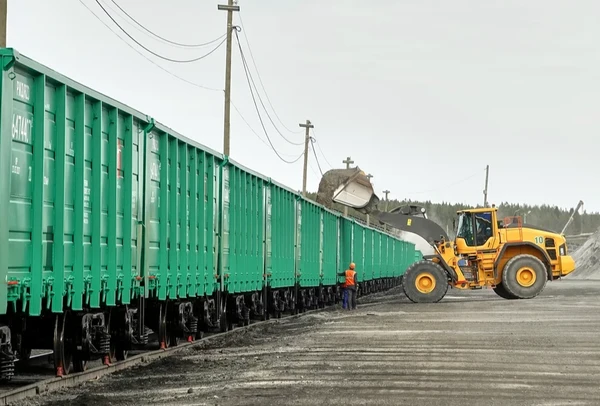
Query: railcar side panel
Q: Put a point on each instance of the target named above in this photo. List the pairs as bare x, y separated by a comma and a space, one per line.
281, 261
309, 243
330, 226
358, 250
246, 232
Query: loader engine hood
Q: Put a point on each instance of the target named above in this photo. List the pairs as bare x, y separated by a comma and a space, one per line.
348, 187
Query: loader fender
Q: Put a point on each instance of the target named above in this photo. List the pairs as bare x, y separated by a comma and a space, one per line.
449, 270
531, 248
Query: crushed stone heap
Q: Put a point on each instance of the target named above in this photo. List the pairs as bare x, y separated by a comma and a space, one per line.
335, 178
587, 259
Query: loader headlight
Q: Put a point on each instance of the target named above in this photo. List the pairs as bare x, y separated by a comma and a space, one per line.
562, 250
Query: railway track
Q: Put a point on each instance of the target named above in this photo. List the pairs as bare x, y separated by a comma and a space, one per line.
37, 374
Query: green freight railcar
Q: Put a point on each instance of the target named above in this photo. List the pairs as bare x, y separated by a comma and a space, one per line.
244, 219
377, 258
330, 230
95, 220
346, 245
114, 225
417, 256
409, 250
308, 252
369, 269
358, 249
181, 192
280, 247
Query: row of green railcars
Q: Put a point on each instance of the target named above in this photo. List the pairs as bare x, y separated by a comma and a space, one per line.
114, 229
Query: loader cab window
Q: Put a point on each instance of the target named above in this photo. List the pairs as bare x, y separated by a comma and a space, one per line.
465, 228
483, 227
475, 228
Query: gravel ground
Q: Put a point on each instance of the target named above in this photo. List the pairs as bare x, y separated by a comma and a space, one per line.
472, 348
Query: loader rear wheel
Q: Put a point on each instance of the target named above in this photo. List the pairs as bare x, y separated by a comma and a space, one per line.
524, 276
425, 282
501, 291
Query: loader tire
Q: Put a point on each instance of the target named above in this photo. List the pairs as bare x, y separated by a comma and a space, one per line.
425, 282
524, 276
501, 291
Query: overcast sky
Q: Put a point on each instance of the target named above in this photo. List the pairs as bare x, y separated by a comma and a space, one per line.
421, 94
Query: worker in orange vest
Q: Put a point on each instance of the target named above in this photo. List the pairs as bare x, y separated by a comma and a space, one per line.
349, 287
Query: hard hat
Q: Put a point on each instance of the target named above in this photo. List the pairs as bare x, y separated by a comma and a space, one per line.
352, 265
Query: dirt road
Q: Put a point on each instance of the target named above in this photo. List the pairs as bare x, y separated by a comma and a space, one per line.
472, 348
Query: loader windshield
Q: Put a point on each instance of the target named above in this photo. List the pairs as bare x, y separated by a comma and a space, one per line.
465, 228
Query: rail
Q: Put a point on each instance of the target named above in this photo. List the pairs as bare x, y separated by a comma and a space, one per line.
74, 379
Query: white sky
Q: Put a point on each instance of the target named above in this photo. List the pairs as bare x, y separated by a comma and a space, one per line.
422, 94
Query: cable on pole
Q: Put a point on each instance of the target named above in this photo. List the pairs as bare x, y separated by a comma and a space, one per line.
260, 79
322, 153
312, 144
256, 105
152, 52
145, 57
180, 44
252, 129
260, 99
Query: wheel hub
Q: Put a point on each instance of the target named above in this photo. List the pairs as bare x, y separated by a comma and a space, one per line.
425, 282
526, 277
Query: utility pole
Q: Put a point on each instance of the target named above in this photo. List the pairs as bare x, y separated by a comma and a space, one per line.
230, 8
369, 176
307, 126
3, 17
348, 161
485, 191
386, 192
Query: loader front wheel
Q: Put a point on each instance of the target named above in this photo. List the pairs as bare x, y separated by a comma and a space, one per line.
501, 291
425, 282
524, 276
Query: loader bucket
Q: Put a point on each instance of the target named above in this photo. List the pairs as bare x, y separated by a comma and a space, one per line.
348, 187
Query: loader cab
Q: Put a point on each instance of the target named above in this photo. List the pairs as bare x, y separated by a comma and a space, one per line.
476, 228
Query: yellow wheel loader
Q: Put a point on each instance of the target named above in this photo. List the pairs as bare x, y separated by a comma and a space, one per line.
514, 259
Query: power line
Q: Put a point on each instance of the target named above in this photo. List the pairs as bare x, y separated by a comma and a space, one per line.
252, 129
152, 52
312, 144
259, 98
260, 79
190, 83
322, 153
163, 38
145, 57
256, 105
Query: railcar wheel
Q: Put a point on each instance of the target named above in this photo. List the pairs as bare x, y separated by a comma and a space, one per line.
79, 364
164, 338
24, 353
117, 352
425, 282
119, 334
524, 276
223, 324
62, 345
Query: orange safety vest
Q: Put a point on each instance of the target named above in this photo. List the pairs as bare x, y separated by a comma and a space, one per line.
350, 274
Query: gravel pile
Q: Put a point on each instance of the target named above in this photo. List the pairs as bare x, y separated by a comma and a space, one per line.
332, 179
587, 259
